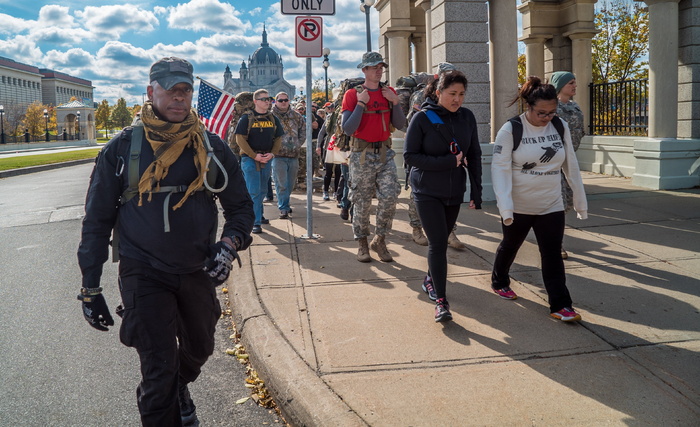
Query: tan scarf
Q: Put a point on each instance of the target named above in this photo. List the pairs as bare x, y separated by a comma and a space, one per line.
168, 141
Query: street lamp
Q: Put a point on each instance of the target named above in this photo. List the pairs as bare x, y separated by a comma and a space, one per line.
2, 124
46, 117
77, 126
364, 7
326, 64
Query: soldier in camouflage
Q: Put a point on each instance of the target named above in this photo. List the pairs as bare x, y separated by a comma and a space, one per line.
417, 99
285, 165
568, 110
368, 114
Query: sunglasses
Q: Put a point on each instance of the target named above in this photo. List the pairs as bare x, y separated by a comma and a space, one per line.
543, 115
454, 148
282, 100
268, 99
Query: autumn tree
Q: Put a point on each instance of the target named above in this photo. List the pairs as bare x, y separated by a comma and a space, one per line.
622, 44
121, 115
318, 91
521, 69
103, 116
34, 120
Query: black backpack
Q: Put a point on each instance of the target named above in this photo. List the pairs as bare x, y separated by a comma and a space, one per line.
517, 125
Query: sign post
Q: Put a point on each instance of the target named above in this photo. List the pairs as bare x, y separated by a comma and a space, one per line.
308, 7
308, 31
309, 44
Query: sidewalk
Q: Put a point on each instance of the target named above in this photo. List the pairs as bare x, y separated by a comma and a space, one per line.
341, 343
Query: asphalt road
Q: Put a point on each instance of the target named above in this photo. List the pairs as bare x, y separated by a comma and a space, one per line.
55, 370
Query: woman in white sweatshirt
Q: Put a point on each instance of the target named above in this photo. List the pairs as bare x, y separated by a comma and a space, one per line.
527, 184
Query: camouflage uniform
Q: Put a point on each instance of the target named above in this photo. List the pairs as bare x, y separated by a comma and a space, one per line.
413, 213
572, 114
366, 178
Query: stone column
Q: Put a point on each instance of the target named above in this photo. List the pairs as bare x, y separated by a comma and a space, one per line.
426, 5
534, 54
460, 35
503, 52
663, 68
419, 59
689, 69
397, 53
582, 67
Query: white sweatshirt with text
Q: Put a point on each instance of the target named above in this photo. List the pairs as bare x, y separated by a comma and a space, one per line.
527, 180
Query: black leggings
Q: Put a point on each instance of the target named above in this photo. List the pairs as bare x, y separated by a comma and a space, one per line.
549, 231
331, 169
438, 220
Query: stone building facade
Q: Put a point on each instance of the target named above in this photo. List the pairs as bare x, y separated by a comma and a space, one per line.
22, 84
480, 38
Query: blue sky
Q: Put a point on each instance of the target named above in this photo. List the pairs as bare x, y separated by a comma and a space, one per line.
113, 43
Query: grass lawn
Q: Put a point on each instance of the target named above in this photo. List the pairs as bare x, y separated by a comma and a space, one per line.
45, 159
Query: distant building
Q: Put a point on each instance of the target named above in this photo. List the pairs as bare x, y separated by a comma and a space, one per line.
22, 84
59, 88
263, 71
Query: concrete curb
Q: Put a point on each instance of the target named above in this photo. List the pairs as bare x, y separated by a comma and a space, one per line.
301, 395
32, 169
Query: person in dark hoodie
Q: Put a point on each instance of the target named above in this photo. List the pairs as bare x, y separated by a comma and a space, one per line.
441, 147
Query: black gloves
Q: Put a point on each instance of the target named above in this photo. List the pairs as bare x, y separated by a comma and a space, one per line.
96, 312
219, 263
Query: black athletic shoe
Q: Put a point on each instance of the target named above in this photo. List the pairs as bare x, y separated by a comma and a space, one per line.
264, 220
429, 289
257, 229
284, 215
442, 311
188, 412
344, 214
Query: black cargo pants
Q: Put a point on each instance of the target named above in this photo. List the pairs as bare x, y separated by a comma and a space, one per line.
170, 320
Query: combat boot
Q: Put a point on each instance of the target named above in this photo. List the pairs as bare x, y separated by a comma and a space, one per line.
454, 242
379, 246
418, 236
363, 251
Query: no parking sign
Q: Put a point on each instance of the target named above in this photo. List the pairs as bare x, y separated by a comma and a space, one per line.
309, 36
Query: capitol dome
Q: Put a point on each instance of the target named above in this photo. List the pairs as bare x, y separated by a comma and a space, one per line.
265, 54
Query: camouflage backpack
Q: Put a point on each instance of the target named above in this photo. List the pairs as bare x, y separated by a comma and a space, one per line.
242, 105
410, 90
334, 126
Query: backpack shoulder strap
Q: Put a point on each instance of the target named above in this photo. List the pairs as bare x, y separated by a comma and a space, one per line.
517, 132
433, 117
559, 126
133, 177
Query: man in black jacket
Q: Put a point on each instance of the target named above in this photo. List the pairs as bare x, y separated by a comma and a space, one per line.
165, 217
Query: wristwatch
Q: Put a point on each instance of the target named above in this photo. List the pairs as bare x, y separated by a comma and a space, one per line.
88, 294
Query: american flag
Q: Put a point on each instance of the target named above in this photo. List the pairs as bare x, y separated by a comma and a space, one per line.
214, 107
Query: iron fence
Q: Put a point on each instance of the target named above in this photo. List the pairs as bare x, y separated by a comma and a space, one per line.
620, 108
29, 138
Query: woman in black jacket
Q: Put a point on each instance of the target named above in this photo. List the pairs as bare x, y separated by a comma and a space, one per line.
441, 147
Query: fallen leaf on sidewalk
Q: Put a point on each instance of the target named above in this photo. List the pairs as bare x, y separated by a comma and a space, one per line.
242, 400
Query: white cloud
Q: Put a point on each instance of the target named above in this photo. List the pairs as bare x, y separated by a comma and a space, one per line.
55, 16
122, 62
111, 21
70, 60
22, 49
206, 15
11, 25
255, 12
60, 36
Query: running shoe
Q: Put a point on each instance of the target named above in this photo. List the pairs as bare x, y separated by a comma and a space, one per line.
257, 229
506, 293
442, 311
566, 314
428, 288
284, 215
